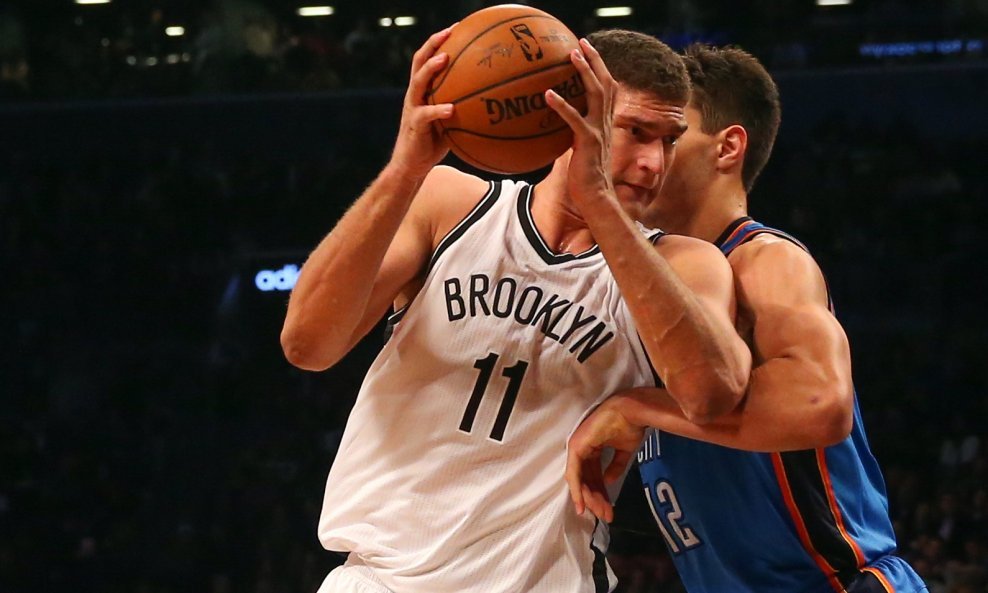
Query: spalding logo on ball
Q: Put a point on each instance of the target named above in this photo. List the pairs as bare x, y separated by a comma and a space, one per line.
502, 59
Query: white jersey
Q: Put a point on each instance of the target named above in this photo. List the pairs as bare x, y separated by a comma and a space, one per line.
449, 477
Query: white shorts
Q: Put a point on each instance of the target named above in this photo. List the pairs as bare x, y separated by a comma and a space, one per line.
352, 578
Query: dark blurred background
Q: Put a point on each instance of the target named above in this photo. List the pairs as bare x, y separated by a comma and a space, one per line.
165, 165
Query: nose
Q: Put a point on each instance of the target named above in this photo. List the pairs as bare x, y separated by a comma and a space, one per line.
652, 159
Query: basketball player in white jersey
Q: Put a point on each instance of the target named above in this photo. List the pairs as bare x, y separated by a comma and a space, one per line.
518, 309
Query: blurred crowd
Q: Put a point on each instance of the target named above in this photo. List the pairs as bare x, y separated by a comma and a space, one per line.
155, 441
56, 50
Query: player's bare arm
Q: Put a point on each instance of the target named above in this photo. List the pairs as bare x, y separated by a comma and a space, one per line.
689, 336
799, 397
800, 394
382, 244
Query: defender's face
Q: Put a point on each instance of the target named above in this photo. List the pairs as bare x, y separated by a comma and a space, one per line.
643, 144
696, 159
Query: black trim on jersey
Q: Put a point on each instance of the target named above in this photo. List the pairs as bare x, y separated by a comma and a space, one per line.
866, 583
392, 322
601, 584
809, 493
655, 375
528, 225
482, 207
719, 242
395, 317
653, 239
777, 233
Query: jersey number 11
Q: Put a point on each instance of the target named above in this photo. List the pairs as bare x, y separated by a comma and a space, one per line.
514, 374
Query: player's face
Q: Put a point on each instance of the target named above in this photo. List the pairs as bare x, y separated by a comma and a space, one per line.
695, 165
643, 144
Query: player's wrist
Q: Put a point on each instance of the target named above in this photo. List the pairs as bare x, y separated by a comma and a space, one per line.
635, 405
400, 172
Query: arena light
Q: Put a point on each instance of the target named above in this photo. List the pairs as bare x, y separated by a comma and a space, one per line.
404, 21
385, 22
315, 11
613, 11
174, 31
833, 2
92, 1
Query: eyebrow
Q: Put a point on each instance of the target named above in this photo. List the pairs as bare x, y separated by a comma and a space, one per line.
681, 125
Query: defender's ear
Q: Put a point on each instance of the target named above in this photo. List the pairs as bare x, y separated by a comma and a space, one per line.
733, 146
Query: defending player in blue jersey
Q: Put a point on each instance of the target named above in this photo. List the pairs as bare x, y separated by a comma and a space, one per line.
781, 495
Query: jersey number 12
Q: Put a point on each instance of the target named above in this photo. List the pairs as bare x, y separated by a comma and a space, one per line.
514, 374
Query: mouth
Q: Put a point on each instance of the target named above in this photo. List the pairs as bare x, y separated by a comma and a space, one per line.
639, 191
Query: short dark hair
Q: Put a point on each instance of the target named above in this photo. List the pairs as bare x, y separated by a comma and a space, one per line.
731, 87
643, 63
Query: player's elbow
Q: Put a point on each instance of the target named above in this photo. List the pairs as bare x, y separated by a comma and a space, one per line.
706, 397
834, 418
304, 352
838, 418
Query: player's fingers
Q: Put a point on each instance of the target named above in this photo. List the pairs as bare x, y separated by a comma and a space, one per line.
574, 480
591, 502
422, 77
615, 469
429, 48
425, 114
608, 87
596, 96
567, 112
597, 64
598, 504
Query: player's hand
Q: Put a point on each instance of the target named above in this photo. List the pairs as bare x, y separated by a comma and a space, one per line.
420, 144
606, 427
590, 164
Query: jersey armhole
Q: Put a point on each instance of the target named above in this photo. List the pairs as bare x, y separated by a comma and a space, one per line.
655, 375
478, 212
392, 322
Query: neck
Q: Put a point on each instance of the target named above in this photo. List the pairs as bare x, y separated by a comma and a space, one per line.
707, 214
556, 218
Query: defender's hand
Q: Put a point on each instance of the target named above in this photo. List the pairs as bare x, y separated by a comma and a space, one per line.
590, 164
605, 427
420, 144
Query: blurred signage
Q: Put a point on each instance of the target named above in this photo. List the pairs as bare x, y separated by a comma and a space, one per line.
277, 280
943, 47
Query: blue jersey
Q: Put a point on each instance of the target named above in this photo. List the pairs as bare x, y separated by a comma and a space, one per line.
812, 521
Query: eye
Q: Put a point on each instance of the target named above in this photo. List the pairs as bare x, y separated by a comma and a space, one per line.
671, 140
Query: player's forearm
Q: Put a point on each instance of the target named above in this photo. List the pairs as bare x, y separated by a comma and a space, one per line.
796, 402
699, 356
651, 406
780, 413
335, 284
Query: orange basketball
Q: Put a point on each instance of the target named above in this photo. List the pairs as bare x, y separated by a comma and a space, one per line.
502, 59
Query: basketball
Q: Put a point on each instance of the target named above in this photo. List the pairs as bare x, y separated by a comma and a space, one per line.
502, 59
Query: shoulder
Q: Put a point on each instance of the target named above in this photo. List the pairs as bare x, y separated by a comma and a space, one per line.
689, 249
451, 188
701, 265
774, 269
446, 197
